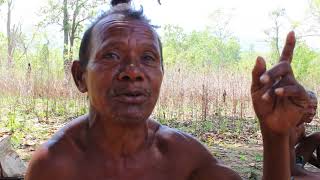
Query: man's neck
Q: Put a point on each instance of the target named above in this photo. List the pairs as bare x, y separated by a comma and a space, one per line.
117, 139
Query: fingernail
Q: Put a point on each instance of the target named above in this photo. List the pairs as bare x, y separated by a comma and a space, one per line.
259, 58
279, 91
265, 96
264, 78
292, 33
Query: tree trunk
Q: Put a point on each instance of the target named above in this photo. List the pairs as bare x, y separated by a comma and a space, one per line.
73, 29
65, 35
9, 35
72, 37
277, 39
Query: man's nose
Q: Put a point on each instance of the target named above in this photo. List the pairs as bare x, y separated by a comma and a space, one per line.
131, 73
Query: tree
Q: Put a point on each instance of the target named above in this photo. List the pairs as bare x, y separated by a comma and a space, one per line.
273, 33
173, 44
220, 20
198, 49
304, 59
14, 34
9, 34
314, 9
225, 45
70, 16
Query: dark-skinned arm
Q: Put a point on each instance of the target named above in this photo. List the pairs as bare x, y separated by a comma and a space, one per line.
43, 166
279, 102
206, 167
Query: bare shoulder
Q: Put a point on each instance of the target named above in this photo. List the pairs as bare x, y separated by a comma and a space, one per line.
45, 165
55, 158
188, 150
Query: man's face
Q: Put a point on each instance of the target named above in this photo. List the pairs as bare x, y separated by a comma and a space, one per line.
311, 112
124, 73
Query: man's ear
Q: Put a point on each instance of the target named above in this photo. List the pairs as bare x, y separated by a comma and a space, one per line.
78, 73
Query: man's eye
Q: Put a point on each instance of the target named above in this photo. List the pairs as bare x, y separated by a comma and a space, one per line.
148, 57
112, 56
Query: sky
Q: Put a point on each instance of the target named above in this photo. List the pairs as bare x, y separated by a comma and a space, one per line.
249, 18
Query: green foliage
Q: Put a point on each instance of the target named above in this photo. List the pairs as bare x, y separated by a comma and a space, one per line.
71, 16
243, 157
247, 59
315, 9
304, 61
173, 43
278, 18
12, 123
207, 126
3, 47
198, 48
258, 158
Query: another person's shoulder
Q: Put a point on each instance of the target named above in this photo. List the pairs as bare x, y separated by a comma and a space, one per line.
55, 158
183, 146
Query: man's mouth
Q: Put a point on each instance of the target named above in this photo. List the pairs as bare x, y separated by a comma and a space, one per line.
136, 96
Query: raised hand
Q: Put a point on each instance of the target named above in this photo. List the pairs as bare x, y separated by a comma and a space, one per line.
278, 99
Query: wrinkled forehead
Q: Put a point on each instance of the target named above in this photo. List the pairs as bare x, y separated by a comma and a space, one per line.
119, 27
313, 101
313, 98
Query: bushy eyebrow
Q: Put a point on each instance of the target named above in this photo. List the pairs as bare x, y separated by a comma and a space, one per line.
151, 47
112, 43
118, 43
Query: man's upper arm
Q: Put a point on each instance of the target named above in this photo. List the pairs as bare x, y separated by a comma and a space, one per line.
37, 166
206, 166
43, 166
203, 166
213, 170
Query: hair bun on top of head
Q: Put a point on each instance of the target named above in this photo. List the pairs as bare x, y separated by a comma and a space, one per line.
116, 2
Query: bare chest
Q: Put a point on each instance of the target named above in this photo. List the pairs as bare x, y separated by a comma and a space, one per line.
149, 167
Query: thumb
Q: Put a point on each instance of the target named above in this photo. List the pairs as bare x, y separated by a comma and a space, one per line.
258, 69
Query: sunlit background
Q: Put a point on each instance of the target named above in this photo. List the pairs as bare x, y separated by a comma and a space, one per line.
246, 19
209, 48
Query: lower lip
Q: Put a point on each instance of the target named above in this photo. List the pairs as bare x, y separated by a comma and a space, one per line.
131, 99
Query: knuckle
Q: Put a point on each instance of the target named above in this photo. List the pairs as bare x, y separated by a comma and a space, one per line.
285, 65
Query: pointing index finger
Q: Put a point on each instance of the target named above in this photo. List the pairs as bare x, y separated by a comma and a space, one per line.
287, 52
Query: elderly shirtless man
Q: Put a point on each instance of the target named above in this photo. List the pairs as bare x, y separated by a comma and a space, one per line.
120, 67
303, 146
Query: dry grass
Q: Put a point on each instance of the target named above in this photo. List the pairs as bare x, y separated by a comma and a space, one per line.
213, 105
186, 95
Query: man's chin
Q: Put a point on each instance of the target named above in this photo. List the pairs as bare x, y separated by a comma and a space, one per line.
131, 114
131, 118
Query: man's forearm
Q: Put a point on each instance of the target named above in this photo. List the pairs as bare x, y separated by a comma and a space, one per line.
276, 164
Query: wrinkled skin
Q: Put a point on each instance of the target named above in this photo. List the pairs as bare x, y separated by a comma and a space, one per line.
117, 139
278, 99
279, 102
124, 74
311, 111
165, 155
298, 133
305, 145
